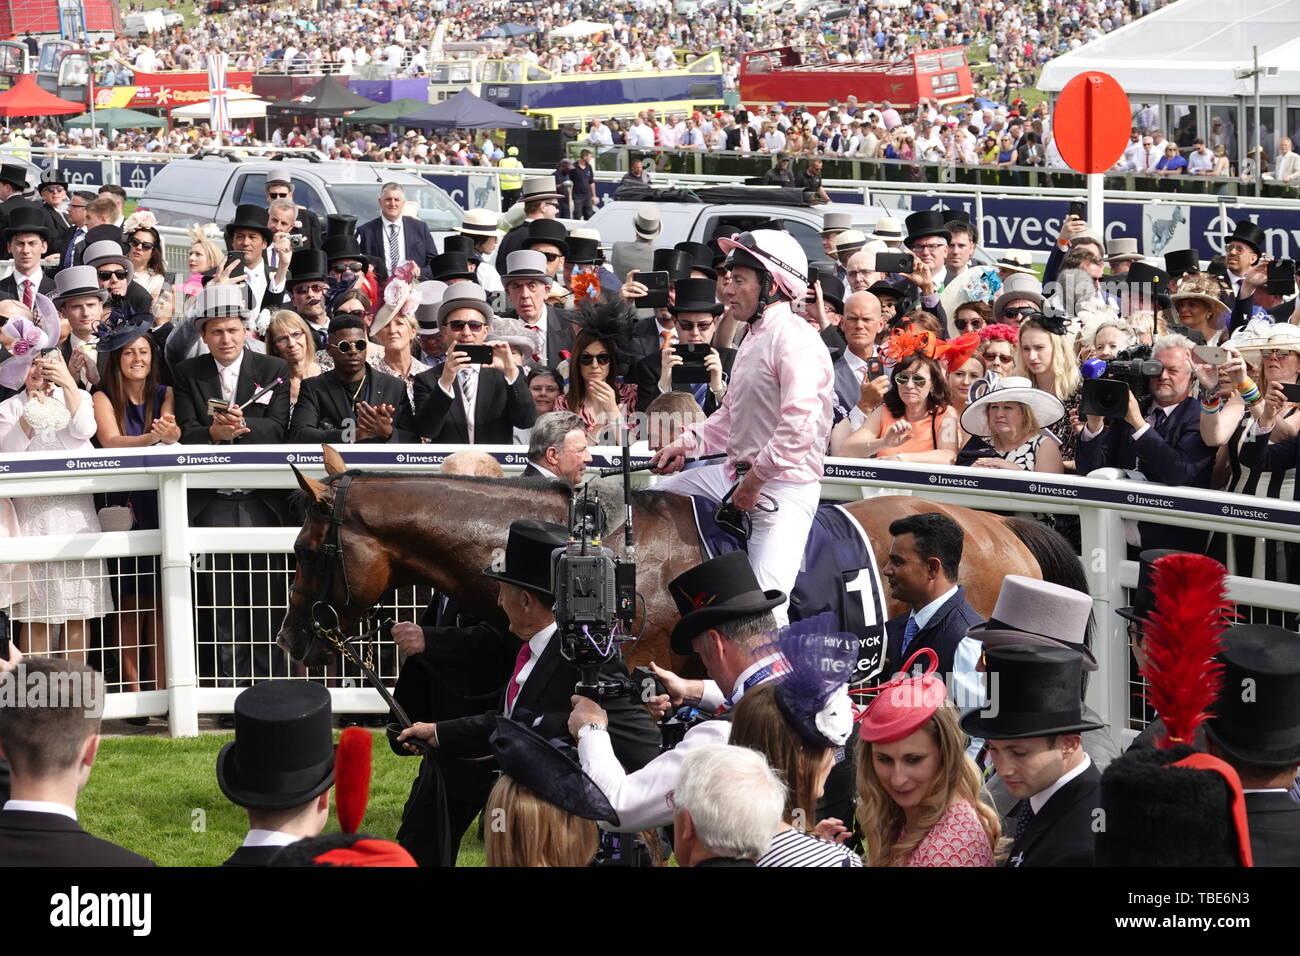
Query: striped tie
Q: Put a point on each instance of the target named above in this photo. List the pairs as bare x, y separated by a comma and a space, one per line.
27, 293
392, 248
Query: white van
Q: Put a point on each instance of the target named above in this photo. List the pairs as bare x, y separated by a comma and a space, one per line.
142, 24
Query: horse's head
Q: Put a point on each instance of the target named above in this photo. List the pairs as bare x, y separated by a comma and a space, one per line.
340, 573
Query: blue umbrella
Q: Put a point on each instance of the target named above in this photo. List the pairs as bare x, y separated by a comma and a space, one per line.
507, 31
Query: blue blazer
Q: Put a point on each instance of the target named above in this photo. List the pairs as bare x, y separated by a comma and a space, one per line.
419, 244
1178, 457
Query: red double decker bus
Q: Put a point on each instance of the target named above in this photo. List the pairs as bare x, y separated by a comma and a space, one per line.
811, 78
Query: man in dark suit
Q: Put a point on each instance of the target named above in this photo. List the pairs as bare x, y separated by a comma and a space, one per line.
695, 314
1163, 442
77, 228
13, 186
537, 694
526, 282
459, 402
51, 750
26, 238
222, 397
114, 272
78, 296
741, 135
922, 567
1259, 734
352, 402
558, 449
279, 187
861, 326
1033, 726
279, 767
541, 201
250, 236
391, 238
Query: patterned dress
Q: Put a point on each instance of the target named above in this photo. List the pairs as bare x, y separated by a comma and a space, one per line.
958, 839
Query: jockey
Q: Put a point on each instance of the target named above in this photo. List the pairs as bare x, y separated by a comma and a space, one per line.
776, 415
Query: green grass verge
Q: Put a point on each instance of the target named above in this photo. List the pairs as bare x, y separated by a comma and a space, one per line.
159, 797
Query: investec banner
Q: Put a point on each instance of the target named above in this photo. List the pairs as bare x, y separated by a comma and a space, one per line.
90, 172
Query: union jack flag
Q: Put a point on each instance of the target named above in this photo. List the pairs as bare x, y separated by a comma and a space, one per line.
217, 89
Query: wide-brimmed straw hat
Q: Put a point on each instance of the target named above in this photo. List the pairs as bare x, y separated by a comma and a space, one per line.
1047, 408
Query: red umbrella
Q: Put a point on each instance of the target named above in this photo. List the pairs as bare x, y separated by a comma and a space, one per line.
25, 98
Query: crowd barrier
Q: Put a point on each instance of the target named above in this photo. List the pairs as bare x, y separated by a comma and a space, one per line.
193, 564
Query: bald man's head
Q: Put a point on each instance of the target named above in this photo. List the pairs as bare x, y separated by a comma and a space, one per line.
861, 270
862, 323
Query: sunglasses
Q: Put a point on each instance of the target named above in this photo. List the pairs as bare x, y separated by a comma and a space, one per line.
141, 244
974, 324
550, 256
1277, 354
694, 326
349, 311
314, 287
602, 358
1018, 312
918, 380
458, 325
277, 195
348, 267
106, 275
348, 347
990, 357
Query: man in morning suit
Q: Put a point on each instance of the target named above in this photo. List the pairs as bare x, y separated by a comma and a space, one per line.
1033, 726
279, 767
526, 283
352, 402
558, 449
537, 694
924, 558
1258, 733
26, 238
279, 187
391, 238
231, 396
51, 750
695, 315
861, 326
459, 402
250, 236
1163, 442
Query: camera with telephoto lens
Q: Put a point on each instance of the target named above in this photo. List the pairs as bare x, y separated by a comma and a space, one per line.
595, 592
1107, 385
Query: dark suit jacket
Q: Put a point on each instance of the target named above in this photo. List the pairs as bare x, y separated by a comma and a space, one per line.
645, 374
1274, 820
734, 138
249, 856
310, 227
1061, 835
325, 403
943, 632
498, 408
419, 244
51, 839
1174, 455
543, 704
648, 337
9, 286
197, 381
512, 241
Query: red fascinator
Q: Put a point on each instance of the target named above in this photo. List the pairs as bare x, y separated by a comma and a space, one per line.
904, 703
903, 343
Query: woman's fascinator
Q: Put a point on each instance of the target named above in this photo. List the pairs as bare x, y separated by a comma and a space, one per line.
952, 353
29, 340
121, 328
819, 661
611, 322
903, 703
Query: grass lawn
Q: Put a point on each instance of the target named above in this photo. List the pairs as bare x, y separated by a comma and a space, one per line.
159, 797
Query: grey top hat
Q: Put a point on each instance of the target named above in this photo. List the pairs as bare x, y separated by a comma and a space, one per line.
74, 282
465, 295
220, 302
525, 264
1122, 250
1030, 611
1018, 286
280, 173
646, 222
539, 187
105, 253
834, 222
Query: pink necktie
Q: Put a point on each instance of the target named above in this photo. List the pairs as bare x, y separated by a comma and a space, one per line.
28, 298
512, 692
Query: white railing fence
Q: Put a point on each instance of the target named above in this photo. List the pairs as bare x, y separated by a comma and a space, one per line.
206, 576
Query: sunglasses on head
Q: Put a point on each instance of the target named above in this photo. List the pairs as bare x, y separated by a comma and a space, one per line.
458, 325
974, 324
347, 347
902, 379
141, 244
601, 358
105, 275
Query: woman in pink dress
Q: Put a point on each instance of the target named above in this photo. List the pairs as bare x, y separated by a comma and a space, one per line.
919, 801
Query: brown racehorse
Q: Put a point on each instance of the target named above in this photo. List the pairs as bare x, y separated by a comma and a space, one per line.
400, 530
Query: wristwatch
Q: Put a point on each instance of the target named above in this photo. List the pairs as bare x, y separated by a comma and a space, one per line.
590, 728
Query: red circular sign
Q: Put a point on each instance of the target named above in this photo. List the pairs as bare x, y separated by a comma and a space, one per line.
1092, 122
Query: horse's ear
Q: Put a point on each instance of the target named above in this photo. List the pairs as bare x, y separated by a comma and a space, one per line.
333, 461
313, 488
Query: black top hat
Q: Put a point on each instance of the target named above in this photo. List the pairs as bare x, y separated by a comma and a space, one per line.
881, 287
28, 218
721, 589
832, 287
450, 265
283, 752
465, 246
52, 177
927, 223
1158, 814
307, 265
584, 251
341, 246
549, 231
340, 224
1181, 262
248, 216
1147, 276
1257, 717
676, 262
1036, 694
104, 233
1144, 598
956, 215
1249, 233
701, 257
546, 770
528, 555
696, 295
14, 175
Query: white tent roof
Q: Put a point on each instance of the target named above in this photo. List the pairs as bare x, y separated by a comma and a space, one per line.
239, 105
581, 28
1190, 48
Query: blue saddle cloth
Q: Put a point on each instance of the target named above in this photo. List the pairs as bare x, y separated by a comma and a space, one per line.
839, 574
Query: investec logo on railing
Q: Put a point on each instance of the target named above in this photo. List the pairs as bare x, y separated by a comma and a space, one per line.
1151, 501
74, 463
957, 480
304, 458
1232, 511
203, 459
840, 471
1061, 491
414, 458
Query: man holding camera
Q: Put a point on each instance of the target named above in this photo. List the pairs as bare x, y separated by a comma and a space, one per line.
537, 694
1163, 442
692, 363
300, 220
